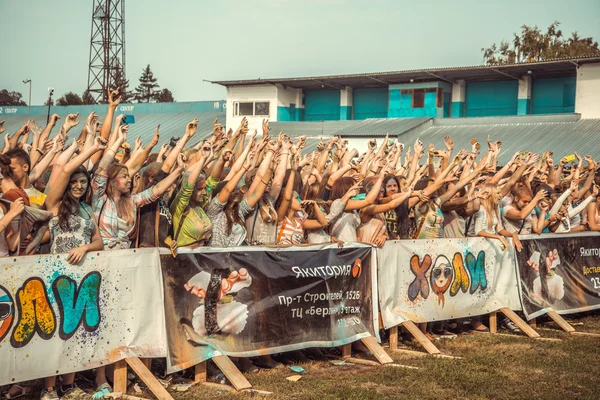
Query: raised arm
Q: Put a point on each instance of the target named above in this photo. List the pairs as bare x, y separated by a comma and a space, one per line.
109, 155
114, 98
190, 131
162, 186
287, 196
277, 183
232, 183
58, 187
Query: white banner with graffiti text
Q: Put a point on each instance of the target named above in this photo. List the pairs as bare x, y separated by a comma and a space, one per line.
57, 318
432, 280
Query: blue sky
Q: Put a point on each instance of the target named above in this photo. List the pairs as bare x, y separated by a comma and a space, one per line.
186, 41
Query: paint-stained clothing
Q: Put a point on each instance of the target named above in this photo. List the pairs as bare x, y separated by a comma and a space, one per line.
115, 231
196, 227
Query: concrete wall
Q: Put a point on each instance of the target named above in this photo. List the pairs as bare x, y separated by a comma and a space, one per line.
553, 95
485, 99
371, 103
322, 105
251, 93
587, 97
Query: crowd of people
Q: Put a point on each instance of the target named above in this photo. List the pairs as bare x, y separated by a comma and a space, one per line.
93, 191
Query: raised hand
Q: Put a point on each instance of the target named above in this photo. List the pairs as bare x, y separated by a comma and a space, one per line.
123, 129
449, 143
265, 127
100, 143
155, 137
2, 128
191, 128
53, 119
91, 123
114, 97
33, 127
72, 121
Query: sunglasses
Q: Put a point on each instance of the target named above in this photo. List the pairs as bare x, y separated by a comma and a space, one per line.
438, 272
5, 310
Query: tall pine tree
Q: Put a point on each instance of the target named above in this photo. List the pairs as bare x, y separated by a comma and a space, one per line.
123, 83
148, 88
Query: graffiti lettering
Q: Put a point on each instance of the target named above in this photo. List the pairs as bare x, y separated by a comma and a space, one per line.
77, 305
420, 284
464, 274
34, 313
477, 270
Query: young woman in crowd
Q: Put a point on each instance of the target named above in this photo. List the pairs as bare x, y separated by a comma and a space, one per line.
114, 206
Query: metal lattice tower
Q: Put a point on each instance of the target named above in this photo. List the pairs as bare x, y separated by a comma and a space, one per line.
107, 47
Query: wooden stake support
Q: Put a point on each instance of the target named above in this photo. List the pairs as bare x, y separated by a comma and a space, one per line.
231, 372
120, 377
393, 338
147, 377
532, 323
347, 350
377, 350
561, 321
523, 326
419, 335
568, 327
200, 372
493, 322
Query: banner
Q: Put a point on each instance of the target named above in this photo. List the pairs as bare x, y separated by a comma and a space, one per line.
559, 272
249, 301
440, 279
58, 318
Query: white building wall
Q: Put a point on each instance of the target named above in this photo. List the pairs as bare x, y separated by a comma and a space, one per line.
587, 95
251, 93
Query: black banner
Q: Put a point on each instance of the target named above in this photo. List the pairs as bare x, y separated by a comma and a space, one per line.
252, 301
560, 273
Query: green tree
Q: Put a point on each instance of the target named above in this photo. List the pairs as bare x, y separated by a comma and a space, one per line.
87, 98
69, 99
148, 89
11, 98
122, 82
533, 45
165, 96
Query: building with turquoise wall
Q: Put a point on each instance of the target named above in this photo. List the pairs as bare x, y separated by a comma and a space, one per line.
559, 86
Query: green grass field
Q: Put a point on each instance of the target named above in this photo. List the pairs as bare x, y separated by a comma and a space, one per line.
502, 366
491, 367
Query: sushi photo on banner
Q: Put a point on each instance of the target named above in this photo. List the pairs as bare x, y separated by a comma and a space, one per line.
245, 302
560, 273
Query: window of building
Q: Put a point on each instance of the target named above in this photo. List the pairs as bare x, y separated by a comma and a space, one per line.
251, 108
418, 98
440, 98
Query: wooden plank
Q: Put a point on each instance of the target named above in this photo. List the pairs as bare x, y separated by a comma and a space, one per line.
200, 372
393, 337
493, 322
529, 331
533, 323
543, 339
420, 337
380, 321
347, 350
233, 374
377, 350
218, 386
422, 354
148, 378
560, 321
361, 361
578, 333
120, 377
